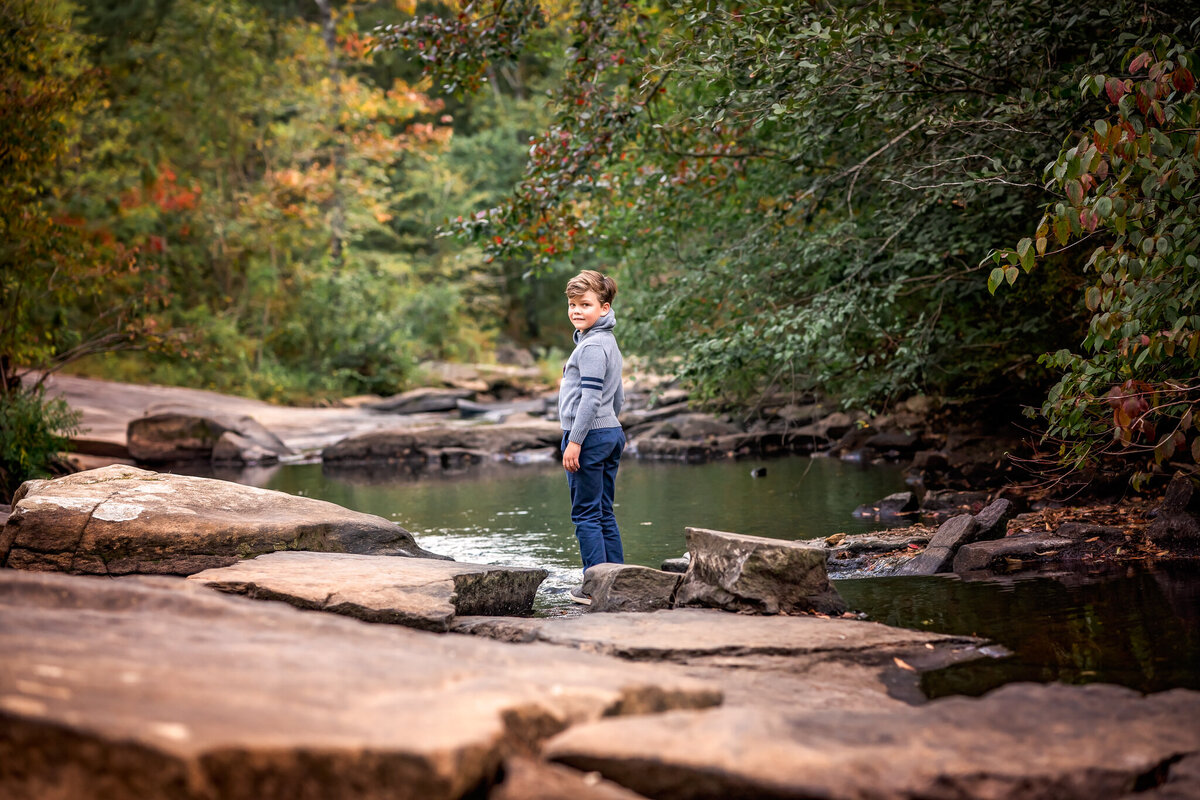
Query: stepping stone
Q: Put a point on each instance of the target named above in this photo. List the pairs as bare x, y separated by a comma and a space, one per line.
417, 592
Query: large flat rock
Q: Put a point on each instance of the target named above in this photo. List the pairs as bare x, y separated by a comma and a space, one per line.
676, 634
120, 520
154, 688
415, 448
417, 592
795, 661
1020, 741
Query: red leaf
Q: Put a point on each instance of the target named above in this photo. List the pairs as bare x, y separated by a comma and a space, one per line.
1141, 61
1183, 80
1115, 89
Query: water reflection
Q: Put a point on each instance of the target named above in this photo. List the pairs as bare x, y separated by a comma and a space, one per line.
1139, 628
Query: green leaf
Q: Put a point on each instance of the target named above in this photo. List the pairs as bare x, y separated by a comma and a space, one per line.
995, 279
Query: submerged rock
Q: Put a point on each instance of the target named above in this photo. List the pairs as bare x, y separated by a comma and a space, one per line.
751, 573
1020, 741
151, 689
417, 592
628, 587
119, 520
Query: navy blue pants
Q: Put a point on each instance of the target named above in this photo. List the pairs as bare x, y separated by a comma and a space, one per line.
592, 489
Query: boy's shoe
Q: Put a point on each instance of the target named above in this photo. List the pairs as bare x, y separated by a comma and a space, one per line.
577, 596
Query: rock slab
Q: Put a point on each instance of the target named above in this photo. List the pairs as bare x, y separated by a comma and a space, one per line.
154, 689
735, 572
1019, 741
628, 587
417, 592
120, 520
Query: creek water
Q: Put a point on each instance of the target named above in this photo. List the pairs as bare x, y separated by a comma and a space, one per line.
1139, 628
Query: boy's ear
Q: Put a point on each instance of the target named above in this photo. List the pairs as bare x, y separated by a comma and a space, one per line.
604, 309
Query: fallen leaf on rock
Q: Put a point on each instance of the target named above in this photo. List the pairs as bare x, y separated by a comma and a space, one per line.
912, 546
928, 646
1093, 539
902, 664
1047, 553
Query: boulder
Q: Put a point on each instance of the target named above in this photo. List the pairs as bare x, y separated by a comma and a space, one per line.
233, 448
119, 520
628, 587
151, 689
660, 449
1022, 740
893, 507
423, 401
947, 499
189, 435
751, 573
999, 554
893, 440
1177, 519
417, 448
701, 426
993, 520
939, 554
1182, 783
417, 592
930, 460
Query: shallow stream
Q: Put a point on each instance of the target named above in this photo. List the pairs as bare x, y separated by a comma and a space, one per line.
1139, 628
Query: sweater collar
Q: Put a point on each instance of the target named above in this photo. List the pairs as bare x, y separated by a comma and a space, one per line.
605, 323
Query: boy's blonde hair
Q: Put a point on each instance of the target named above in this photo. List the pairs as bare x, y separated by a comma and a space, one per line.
590, 280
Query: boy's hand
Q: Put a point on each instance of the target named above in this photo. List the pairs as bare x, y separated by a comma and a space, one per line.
571, 457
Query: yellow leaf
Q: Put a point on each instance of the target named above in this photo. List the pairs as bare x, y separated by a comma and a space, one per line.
904, 665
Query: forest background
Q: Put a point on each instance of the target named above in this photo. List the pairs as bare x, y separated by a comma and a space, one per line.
990, 202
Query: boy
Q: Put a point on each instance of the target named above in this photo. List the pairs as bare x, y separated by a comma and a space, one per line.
589, 401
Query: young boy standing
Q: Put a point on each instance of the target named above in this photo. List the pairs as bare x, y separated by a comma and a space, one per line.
589, 401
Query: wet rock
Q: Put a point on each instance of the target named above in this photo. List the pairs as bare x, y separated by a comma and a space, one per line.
119, 520
677, 565
893, 507
417, 592
939, 554
1012, 552
628, 587
1177, 520
174, 436
1020, 741
750, 573
527, 779
136, 690
1082, 531
423, 400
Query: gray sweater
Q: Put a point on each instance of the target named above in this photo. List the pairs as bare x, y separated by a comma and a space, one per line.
591, 395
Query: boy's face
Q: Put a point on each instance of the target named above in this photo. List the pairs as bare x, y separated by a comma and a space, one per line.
585, 309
